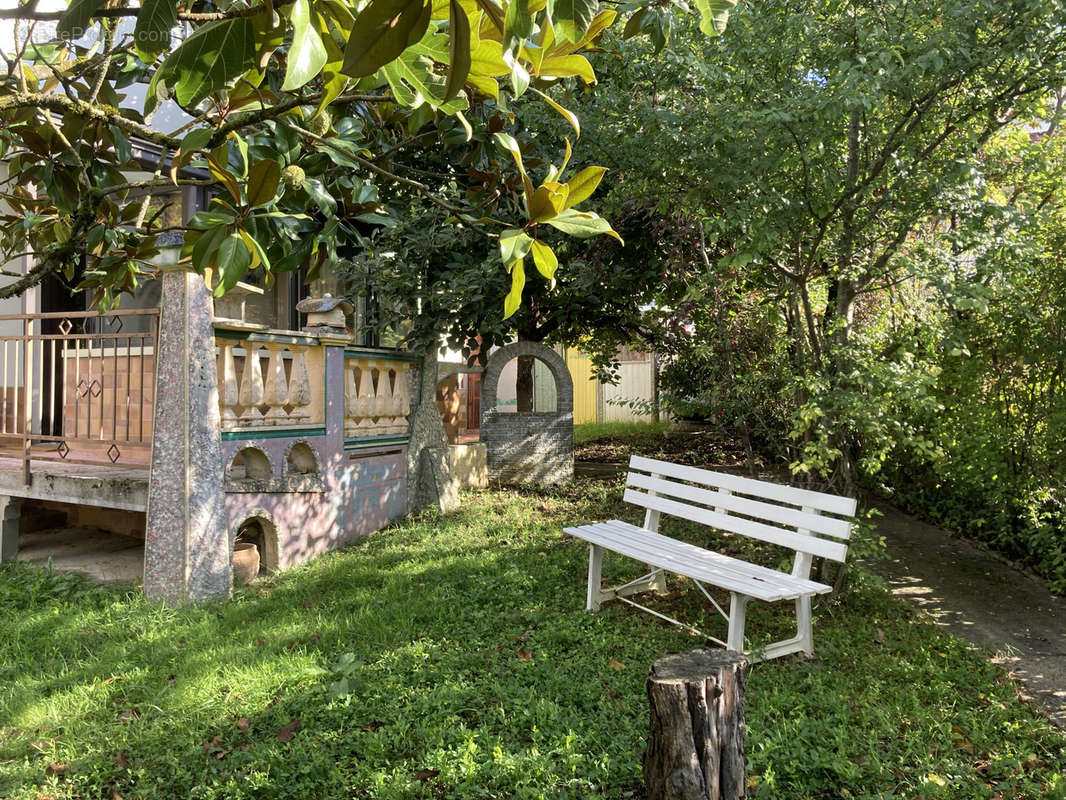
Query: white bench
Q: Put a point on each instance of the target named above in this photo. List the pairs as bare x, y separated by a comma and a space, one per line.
793, 518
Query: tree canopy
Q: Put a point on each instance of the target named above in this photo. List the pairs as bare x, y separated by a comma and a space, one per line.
296, 117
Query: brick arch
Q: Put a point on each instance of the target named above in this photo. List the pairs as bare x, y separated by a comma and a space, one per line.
528, 446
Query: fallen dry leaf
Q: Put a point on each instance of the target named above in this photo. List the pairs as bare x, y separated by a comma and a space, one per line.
288, 730
616, 665
122, 761
115, 795
425, 774
243, 723
55, 768
880, 636
372, 726
526, 634
316, 638
309, 604
129, 713
524, 654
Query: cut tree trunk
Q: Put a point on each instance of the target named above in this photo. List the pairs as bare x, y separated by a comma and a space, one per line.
696, 743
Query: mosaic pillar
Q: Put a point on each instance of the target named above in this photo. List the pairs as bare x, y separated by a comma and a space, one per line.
10, 516
187, 547
429, 473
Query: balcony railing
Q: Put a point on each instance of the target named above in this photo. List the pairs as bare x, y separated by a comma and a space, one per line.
78, 386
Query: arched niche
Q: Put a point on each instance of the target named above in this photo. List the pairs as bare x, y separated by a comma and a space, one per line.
260, 529
250, 463
534, 446
300, 459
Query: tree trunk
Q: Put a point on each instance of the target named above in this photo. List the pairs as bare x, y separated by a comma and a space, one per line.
696, 743
524, 383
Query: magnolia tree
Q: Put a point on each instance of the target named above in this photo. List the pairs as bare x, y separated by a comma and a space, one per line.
300, 120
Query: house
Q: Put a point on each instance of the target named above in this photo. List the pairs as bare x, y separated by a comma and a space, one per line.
192, 425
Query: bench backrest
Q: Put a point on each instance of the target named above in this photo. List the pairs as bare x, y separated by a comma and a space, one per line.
782, 515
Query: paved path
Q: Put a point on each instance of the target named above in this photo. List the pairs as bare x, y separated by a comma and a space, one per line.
980, 598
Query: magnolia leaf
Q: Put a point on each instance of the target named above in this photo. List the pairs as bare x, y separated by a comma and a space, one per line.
584, 184
548, 200
75, 20
263, 179
545, 260
714, 15
155, 20
493, 12
213, 55
514, 244
565, 113
518, 281
382, 31
518, 23
511, 146
259, 256
573, 17
269, 36
307, 54
487, 59
333, 80
487, 86
568, 67
459, 50
633, 24
519, 75
582, 224
225, 177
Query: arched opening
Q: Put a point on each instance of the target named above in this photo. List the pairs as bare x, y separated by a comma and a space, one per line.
251, 462
526, 385
258, 531
459, 402
301, 460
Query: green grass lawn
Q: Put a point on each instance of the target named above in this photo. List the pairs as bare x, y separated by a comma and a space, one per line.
451, 658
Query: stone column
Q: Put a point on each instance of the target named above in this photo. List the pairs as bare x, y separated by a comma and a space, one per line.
10, 515
429, 467
187, 544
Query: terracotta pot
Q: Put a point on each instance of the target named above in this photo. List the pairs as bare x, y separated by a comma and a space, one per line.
245, 563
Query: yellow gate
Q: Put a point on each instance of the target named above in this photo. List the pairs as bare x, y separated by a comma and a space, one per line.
584, 386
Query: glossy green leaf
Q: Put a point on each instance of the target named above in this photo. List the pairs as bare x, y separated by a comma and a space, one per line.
263, 179
545, 260
548, 200
307, 53
714, 15
566, 114
514, 244
513, 300
493, 12
382, 31
573, 17
584, 184
459, 50
215, 54
517, 23
233, 259
155, 20
582, 224
76, 19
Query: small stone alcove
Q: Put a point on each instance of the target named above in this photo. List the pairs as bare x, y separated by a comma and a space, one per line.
528, 446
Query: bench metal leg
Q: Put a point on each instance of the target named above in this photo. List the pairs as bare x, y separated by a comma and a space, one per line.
595, 571
804, 632
738, 606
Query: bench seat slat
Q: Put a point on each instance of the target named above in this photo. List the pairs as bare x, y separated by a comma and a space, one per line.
829, 503
835, 551
693, 562
743, 570
830, 526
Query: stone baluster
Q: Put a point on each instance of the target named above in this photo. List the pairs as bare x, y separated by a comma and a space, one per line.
299, 387
227, 386
277, 388
401, 403
364, 405
383, 401
251, 393
351, 399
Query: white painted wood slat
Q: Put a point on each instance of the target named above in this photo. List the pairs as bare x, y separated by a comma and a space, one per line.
742, 569
835, 551
702, 565
718, 500
821, 501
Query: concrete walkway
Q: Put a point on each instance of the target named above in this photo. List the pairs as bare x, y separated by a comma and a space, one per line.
980, 598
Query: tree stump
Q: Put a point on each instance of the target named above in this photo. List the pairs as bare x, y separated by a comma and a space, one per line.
696, 743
